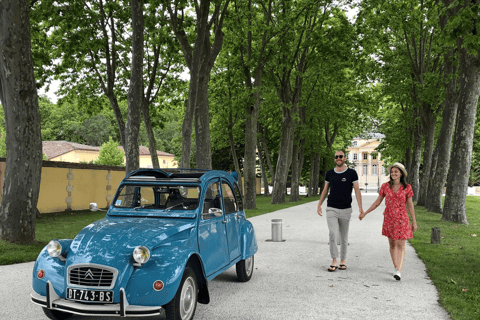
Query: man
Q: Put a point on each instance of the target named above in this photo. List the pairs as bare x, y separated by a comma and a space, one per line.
340, 180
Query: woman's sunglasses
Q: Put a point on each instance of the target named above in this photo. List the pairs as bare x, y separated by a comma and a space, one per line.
339, 156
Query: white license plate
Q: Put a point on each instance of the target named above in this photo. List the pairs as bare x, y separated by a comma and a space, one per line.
89, 295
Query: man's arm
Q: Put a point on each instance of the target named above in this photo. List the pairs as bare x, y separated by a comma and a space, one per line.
322, 197
358, 195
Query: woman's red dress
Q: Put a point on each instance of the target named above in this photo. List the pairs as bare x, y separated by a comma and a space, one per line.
396, 224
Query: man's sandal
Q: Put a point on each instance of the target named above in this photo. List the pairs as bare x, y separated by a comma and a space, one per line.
332, 268
342, 267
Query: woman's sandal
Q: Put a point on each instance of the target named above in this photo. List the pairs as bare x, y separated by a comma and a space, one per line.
342, 267
331, 270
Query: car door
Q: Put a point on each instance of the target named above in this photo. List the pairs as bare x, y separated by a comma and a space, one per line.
232, 219
212, 234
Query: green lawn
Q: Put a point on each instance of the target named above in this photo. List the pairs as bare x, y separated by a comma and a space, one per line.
453, 265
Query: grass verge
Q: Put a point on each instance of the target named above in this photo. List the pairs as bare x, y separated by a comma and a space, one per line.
453, 265
65, 225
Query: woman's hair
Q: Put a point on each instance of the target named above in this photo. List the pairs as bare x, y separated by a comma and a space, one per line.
402, 179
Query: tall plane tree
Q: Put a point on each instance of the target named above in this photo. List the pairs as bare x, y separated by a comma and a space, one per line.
468, 45
135, 91
199, 57
18, 95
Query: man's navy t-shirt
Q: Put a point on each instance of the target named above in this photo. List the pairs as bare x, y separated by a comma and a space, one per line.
341, 185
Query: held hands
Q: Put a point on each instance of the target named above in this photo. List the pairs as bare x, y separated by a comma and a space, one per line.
362, 215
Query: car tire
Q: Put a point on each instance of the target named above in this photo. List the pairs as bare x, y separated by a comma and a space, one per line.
184, 304
56, 315
245, 269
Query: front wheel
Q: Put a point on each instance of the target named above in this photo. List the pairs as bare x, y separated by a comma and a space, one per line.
56, 315
184, 304
245, 269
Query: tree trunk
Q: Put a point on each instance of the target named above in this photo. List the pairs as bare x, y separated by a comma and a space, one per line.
460, 163
430, 121
187, 126
135, 91
266, 192
118, 116
152, 144
314, 174
203, 146
416, 159
284, 155
232, 148
444, 143
18, 95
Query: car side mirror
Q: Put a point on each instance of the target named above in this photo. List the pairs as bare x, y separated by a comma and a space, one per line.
215, 211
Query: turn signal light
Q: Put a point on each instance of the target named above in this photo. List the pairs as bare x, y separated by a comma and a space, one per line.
158, 285
40, 274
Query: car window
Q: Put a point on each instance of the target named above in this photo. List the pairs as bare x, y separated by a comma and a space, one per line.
158, 197
239, 198
228, 198
212, 206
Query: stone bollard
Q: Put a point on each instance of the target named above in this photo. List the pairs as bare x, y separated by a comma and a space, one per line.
277, 230
435, 238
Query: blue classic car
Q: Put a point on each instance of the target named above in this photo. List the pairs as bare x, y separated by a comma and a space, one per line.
165, 235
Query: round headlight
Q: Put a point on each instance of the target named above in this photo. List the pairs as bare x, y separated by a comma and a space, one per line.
141, 254
54, 249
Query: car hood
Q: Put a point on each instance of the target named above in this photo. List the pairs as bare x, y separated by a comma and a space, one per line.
113, 239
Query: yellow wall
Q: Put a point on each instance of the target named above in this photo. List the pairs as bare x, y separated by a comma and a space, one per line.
73, 186
73, 189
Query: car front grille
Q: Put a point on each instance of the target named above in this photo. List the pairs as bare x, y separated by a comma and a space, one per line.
92, 276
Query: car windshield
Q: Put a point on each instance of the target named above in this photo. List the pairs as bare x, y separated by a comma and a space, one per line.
163, 197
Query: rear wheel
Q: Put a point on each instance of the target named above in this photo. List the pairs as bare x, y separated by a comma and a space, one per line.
56, 315
184, 304
245, 269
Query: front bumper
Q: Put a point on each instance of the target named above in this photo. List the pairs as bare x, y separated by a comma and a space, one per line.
123, 309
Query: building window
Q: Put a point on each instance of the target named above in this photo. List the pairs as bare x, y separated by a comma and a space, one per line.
365, 170
354, 143
374, 156
355, 156
365, 156
374, 170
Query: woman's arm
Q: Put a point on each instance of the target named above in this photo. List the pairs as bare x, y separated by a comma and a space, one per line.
411, 210
372, 207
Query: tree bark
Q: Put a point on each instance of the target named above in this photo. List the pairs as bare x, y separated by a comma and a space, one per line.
135, 91
444, 143
233, 151
429, 121
416, 159
461, 159
284, 154
22, 123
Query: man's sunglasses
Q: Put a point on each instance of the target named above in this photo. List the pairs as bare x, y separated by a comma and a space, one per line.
339, 156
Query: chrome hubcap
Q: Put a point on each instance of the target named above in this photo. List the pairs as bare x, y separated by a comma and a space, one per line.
249, 266
188, 298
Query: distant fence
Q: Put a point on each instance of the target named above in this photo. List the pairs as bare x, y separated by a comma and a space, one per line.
69, 186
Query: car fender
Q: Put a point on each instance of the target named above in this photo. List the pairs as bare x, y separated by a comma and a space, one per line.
54, 271
169, 270
249, 241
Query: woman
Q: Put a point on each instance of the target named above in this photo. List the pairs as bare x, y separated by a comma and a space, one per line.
396, 224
